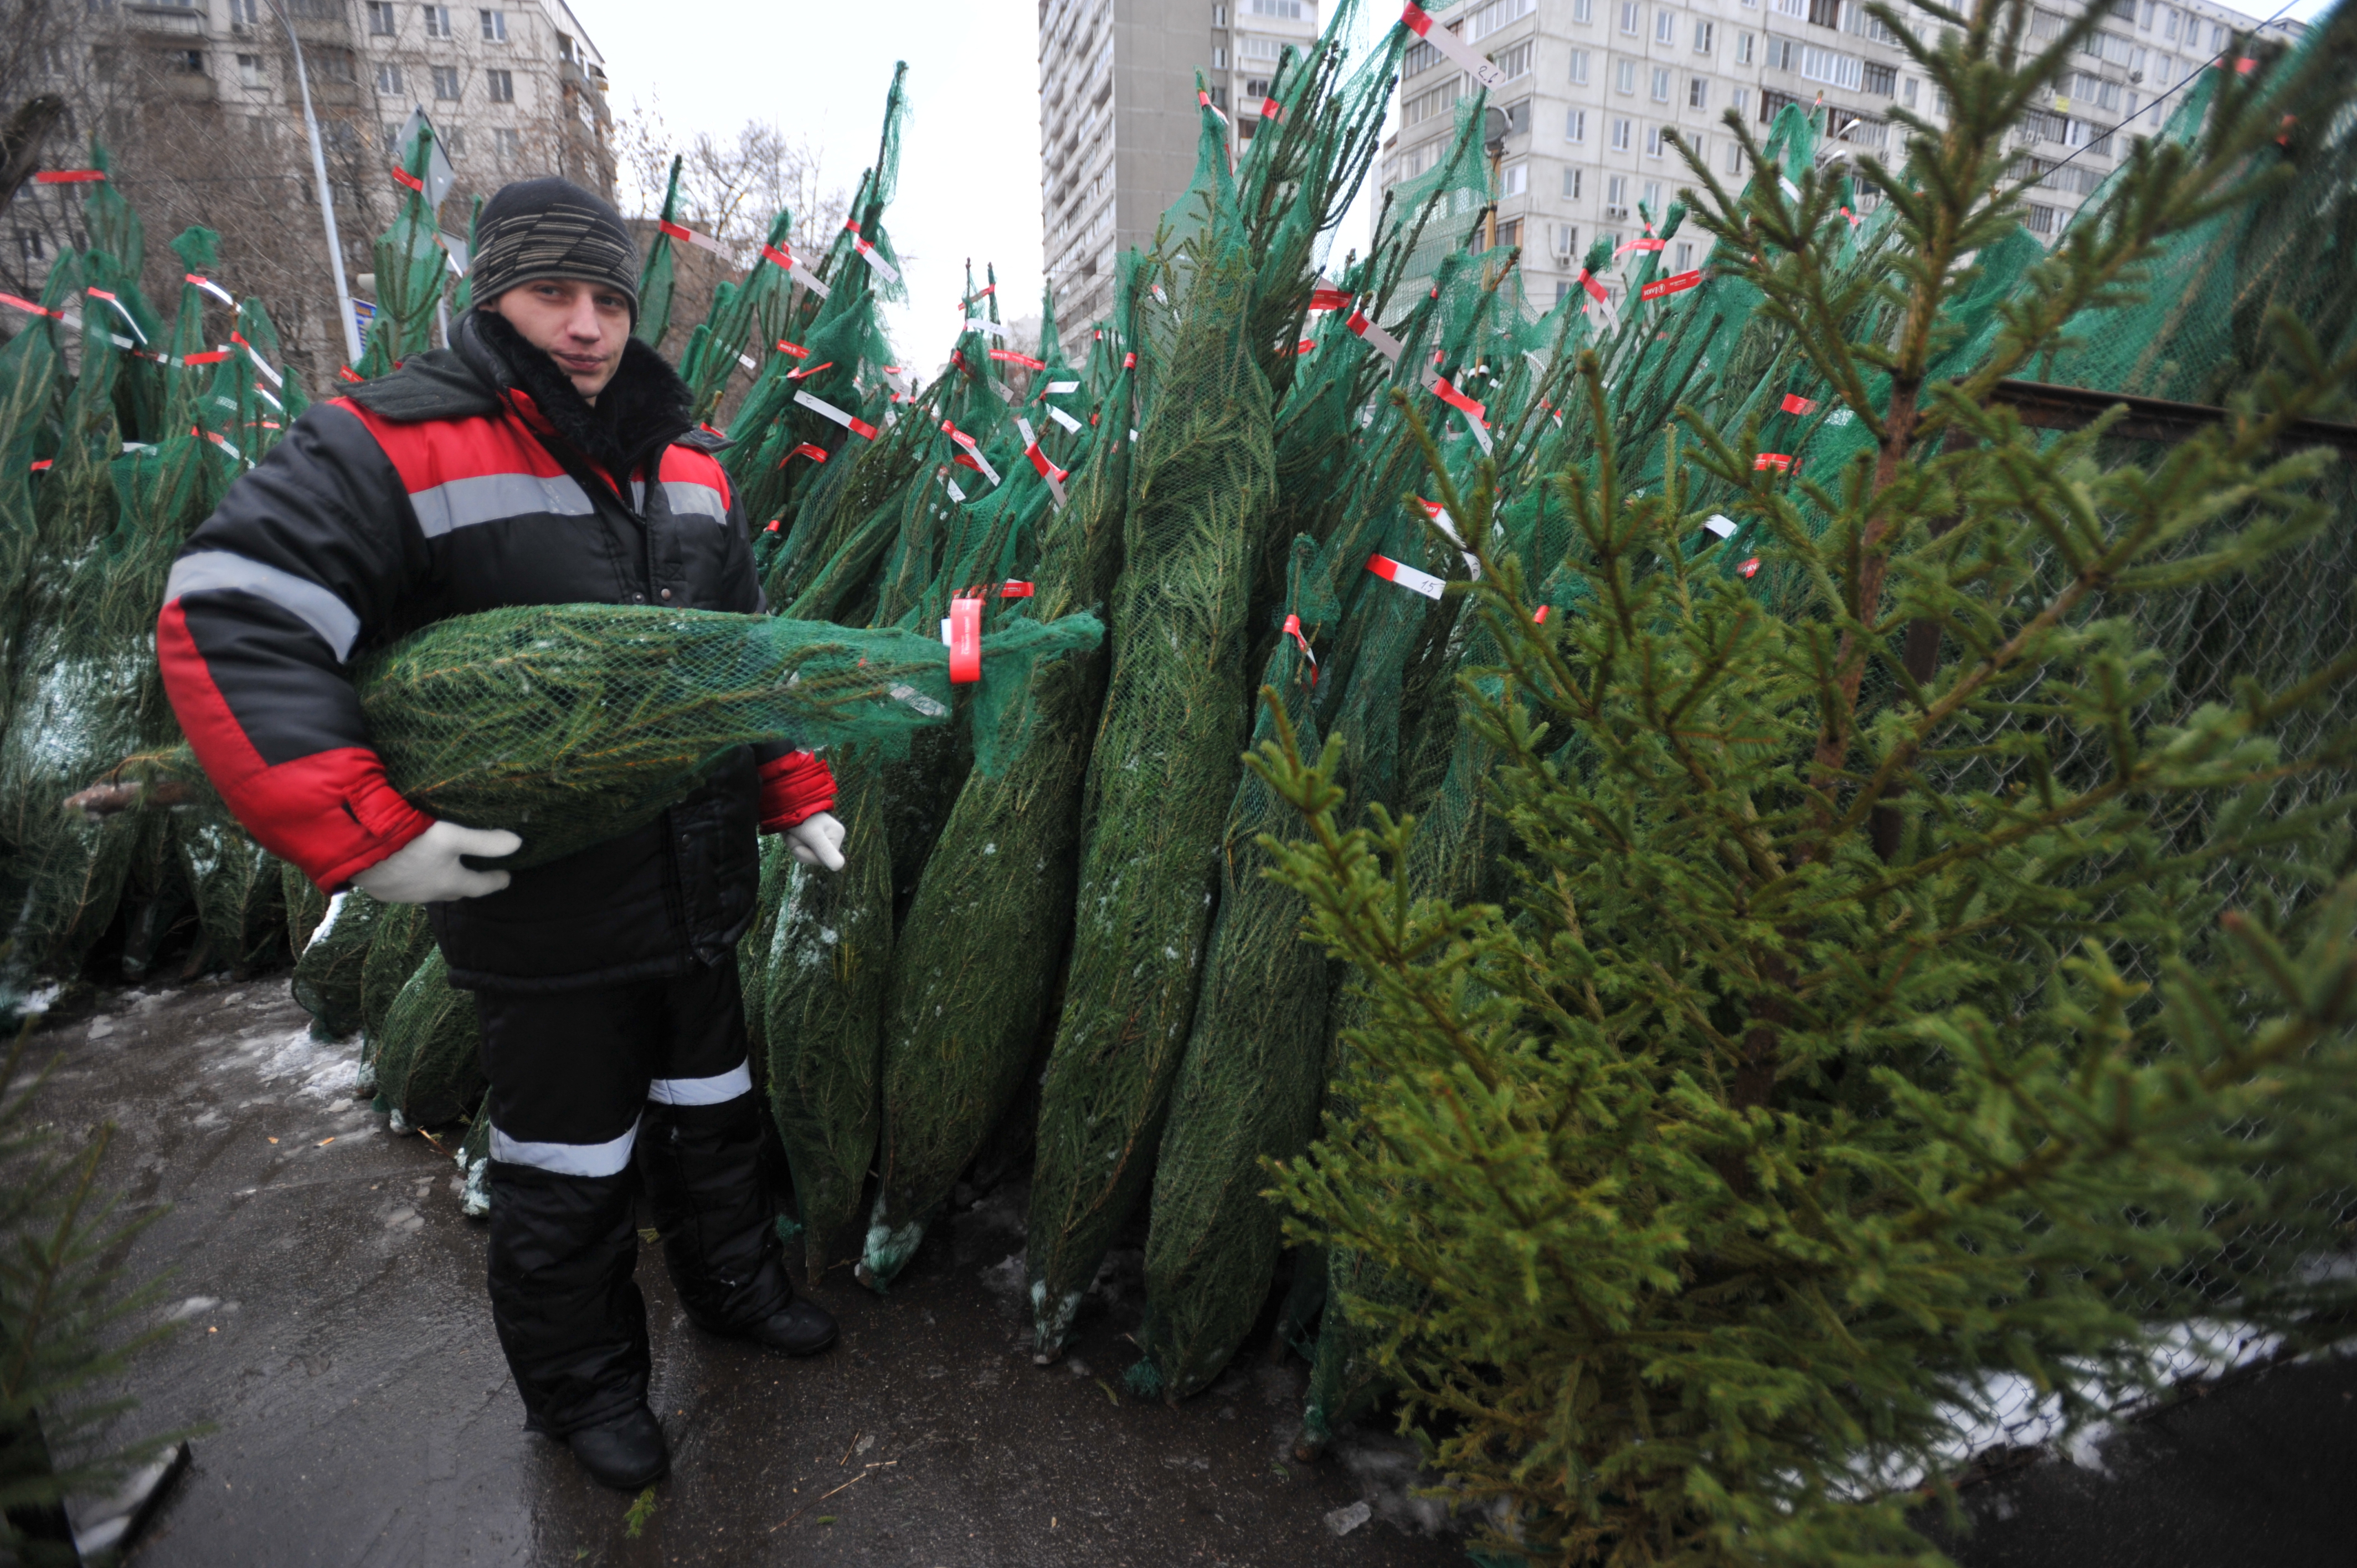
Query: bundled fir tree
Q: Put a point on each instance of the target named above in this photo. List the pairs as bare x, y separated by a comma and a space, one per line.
1919, 960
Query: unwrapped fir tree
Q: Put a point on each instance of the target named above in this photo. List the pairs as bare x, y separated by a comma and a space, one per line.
1908, 974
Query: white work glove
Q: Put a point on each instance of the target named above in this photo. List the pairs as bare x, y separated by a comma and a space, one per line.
817, 839
426, 870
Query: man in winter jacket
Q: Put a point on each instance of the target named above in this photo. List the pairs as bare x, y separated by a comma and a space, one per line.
546, 457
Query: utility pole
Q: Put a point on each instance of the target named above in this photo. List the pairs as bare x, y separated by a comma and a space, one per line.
327, 197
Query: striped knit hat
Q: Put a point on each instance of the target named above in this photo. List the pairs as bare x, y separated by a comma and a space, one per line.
550, 228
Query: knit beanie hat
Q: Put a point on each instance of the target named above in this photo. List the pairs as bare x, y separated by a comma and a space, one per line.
550, 228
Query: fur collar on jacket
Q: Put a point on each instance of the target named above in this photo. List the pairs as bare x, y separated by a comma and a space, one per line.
642, 409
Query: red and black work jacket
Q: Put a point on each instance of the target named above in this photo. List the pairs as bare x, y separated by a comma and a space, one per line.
446, 489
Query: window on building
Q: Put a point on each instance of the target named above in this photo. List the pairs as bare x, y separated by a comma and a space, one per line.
1739, 99
1515, 179
2169, 22
2217, 35
244, 13
1698, 93
1653, 141
1615, 196
249, 72
388, 78
185, 62
1706, 37
1621, 131
1743, 47
1509, 232
1561, 289
1571, 183
1883, 80
1583, 11
1574, 125
1628, 15
30, 246
1255, 88
1263, 48
1580, 67
1516, 61
508, 142
1734, 158
437, 21
495, 27
1426, 104
379, 17
502, 85
1487, 19
1665, 25
454, 141
388, 135
339, 135
2040, 219
1624, 76
1290, 10
1219, 98
1660, 84
1907, 92
337, 65
1518, 117
1218, 15
1219, 57
1825, 13
446, 83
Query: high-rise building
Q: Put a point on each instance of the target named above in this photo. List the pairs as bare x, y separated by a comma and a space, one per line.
1119, 119
199, 102
1592, 86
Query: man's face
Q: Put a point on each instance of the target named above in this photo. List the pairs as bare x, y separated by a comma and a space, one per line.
582, 326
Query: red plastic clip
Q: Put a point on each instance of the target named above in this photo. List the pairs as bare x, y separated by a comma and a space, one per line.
964, 638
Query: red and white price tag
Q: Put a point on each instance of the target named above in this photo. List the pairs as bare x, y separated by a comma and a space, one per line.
1010, 357
1782, 462
1061, 417
794, 269
261, 364
1047, 470
1473, 411
1597, 294
211, 288
1468, 59
1293, 630
1676, 282
1795, 404
871, 255
1381, 341
120, 309
1447, 525
851, 423
701, 241
972, 458
1406, 576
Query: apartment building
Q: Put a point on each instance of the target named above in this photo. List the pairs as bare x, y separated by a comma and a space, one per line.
1119, 119
1592, 87
200, 104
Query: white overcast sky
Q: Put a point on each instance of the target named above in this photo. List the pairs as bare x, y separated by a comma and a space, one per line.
969, 173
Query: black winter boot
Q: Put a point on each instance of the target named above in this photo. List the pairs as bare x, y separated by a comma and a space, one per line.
568, 1314
627, 1453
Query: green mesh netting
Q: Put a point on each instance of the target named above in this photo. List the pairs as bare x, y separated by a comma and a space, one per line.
1164, 761
570, 725
428, 1054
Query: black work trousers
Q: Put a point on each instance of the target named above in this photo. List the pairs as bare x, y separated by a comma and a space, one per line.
591, 1091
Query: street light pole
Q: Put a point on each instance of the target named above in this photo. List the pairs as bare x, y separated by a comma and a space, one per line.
327, 197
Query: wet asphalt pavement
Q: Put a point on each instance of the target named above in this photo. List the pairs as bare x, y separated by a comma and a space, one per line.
335, 1334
